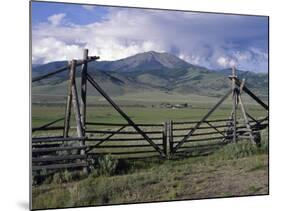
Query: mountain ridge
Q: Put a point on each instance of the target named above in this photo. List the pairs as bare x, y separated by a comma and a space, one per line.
159, 72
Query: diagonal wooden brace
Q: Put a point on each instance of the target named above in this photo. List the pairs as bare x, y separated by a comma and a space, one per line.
251, 94
201, 121
124, 115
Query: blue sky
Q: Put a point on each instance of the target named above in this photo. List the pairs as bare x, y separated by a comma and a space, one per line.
60, 31
75, 13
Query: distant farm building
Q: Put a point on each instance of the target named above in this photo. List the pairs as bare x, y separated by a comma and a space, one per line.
175, 106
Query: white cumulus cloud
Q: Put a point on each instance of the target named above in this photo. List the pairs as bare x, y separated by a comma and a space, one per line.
203, 39
50, 49
56, 19
226, 62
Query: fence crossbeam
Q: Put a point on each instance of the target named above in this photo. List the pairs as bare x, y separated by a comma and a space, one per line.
62, 69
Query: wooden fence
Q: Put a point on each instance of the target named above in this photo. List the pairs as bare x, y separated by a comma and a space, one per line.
123, 142
131, 140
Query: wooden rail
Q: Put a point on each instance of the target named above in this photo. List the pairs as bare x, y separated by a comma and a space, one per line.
47, 126
121, 124
126, 146
194, 122
123, 139
59, 158
55, 149
62, 69
59, 166
56, 139
121, 132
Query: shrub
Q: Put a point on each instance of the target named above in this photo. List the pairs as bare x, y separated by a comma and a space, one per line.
107, 165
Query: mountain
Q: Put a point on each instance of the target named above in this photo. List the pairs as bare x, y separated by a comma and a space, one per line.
152, 71
143, 61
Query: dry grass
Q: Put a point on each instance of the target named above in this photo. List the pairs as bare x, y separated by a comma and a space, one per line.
182, 179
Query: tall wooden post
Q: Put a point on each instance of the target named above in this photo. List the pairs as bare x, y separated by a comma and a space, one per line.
234, 103
171, 138
244, 113
246, 120
68, 103
77, 110
165, 139
84, 68
168, 138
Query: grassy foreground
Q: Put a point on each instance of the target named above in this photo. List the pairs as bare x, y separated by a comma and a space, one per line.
234, 170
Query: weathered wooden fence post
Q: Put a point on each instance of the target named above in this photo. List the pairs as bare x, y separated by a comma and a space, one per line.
168, 138
247, 123
164, 138
77, 110
234, 104
83, 96
68, 103
171, 139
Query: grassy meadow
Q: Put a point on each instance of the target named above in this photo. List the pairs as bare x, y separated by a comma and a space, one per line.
141, 107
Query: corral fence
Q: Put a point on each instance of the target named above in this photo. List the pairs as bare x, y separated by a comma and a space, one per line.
131, 140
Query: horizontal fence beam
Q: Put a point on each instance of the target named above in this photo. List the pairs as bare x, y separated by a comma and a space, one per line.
59, 166
128, 152
45, 137
198, 134
62, 69
123, 139
48, 128
199, 151
122, 132
194, 122
208, 133
137, 157
121, 124
55, 149
111, 135
45, 145
202, 127
47, 125
144, 157
126, 146
203, 139
255, 126
204, 145
55, 139
59, 158
212, 121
